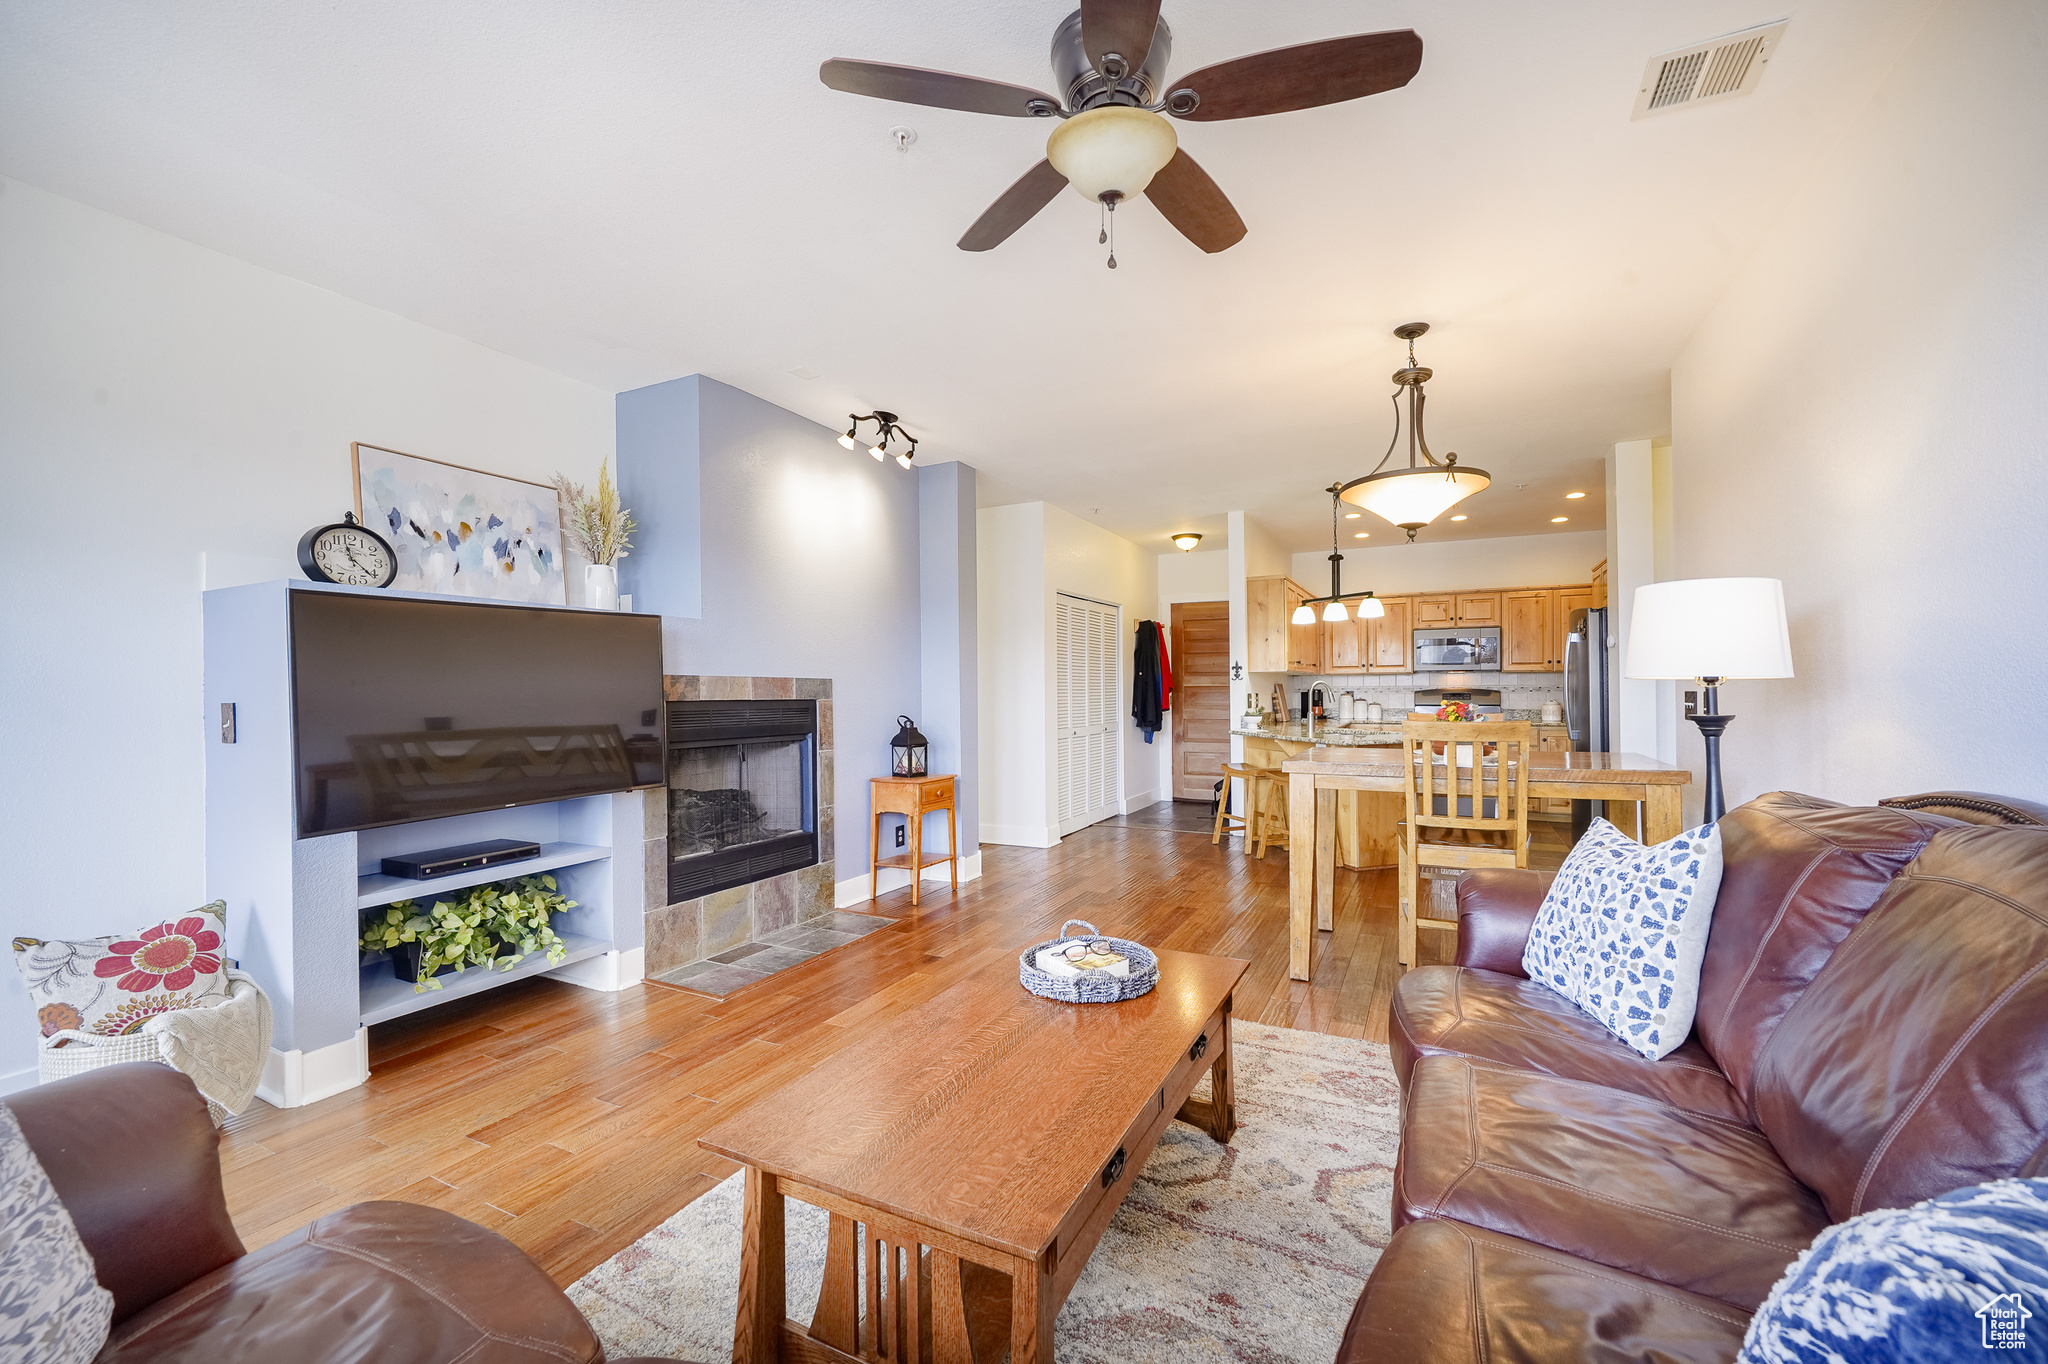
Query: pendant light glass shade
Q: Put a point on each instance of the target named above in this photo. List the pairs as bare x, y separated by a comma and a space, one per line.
1372, 608
1303, 615
1412, 498
1335, 611
1111, 149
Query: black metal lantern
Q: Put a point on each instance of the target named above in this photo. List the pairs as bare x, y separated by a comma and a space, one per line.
908, 749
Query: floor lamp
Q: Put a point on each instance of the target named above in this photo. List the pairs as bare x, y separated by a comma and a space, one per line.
1710, 630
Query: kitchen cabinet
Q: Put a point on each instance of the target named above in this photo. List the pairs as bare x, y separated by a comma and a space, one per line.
1477, 608
1392, 637
1570, 599
1599, 585
1434, 612
1529, 631
1345, 642
1273, 644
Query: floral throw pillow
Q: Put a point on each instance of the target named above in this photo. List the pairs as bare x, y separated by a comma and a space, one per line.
1624, 928
52, 1308
108, 987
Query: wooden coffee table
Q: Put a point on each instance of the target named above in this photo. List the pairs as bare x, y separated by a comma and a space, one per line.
976, 1148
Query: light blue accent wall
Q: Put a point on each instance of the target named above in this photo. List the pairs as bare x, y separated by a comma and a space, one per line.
947, 644
799, 558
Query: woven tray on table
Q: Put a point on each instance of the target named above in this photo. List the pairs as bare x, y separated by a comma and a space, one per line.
1090, 987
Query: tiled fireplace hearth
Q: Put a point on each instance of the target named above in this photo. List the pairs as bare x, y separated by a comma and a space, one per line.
683, 931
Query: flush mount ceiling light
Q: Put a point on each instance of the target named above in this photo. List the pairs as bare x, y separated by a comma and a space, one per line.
1187, 540
1333, 606
1414, 496
886, 430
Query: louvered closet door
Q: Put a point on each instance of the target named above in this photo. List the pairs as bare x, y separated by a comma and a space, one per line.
1087, 707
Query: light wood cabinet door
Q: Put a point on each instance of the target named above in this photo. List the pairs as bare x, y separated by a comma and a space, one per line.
1478, 608
1393, 637
1599, 584
1551, 739
1344, 642
1569, 599
1304, 642
1266, 612
1431, 612
1526, 629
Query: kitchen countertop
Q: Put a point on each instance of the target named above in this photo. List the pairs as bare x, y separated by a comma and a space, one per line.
1346, 736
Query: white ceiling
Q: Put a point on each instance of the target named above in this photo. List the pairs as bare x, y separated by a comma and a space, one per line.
630, 191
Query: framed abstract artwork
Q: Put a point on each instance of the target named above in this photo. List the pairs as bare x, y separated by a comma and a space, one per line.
461, 531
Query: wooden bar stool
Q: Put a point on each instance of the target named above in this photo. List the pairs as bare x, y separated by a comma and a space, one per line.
1452, 839
1269, 809
1226, 822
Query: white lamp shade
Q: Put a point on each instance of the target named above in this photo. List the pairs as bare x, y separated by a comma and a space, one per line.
1372, 608
1112, 148
1303, 615
1415, 497
1709, 627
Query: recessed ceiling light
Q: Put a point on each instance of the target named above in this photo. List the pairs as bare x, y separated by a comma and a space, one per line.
1458, 518
1555, 519
1363, 535
1573, 497
1352, 516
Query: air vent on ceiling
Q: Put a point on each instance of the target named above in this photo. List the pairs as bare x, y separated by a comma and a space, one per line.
1720, 69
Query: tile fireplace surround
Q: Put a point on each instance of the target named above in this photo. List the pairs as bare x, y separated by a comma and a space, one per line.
691, 930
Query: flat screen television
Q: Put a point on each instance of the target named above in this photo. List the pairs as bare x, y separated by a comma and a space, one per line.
406, 709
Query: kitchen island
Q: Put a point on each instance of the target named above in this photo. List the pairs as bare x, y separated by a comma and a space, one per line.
1367, 822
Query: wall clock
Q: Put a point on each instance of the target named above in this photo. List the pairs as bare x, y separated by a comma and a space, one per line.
348, 553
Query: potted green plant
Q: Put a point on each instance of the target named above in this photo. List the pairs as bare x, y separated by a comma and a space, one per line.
490, 926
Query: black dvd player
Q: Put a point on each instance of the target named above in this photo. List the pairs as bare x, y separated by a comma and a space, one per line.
466, 857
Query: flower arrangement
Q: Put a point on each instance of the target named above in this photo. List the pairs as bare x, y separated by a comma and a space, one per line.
1454, 710
492, 926
595, 521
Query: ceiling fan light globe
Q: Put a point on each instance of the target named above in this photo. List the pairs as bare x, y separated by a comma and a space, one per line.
1412, 498
1111, 149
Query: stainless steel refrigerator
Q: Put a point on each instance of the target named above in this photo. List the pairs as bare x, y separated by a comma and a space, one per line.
1586, 700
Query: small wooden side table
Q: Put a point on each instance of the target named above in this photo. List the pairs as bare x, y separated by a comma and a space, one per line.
914, 798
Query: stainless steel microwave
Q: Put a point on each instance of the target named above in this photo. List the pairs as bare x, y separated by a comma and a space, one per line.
1469, 648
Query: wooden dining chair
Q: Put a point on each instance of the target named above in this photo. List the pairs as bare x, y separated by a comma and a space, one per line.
1434, 791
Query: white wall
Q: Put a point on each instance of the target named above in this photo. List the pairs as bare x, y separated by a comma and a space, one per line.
1458, 565
1862, 416
1203, 575
1026, 554
158, 403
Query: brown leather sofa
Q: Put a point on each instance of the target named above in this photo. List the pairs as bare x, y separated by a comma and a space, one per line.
1872, 1030
135, 1159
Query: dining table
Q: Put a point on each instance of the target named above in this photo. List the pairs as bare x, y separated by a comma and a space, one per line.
1316, 776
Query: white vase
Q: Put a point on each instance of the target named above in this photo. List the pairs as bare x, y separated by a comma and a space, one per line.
601, 587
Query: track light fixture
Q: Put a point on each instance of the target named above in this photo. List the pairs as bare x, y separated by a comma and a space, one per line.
886, 430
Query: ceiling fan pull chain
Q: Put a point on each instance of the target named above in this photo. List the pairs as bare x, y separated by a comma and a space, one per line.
1112, 234
1101, 212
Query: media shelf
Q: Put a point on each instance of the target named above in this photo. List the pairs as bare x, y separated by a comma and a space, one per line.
383, 996
378, 889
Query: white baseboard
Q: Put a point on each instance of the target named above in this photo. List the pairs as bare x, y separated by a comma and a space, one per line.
1139, 802
1022, 835
852, 894
293, 1079
610, 971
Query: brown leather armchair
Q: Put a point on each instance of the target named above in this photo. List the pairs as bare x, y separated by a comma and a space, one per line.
1872, 1030
136, 1160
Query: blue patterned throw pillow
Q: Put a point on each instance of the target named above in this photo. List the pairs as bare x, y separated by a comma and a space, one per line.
1623, 929
1948, 1279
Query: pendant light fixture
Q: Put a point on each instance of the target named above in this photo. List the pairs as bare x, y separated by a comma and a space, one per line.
1369, 607
1414, 496
886, 431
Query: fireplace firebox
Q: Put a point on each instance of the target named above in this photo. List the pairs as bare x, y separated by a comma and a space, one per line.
742, 793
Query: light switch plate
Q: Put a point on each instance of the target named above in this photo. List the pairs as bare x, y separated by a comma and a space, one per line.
227, 722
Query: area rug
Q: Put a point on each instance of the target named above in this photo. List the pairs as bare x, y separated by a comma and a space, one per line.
1255, 1251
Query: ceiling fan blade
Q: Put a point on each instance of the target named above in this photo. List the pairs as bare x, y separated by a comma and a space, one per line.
940, 89
1123, 27
1301, 77
1189, 199
1033, 191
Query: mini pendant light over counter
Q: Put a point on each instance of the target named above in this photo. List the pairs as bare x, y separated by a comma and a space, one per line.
1369, 607
1414, 496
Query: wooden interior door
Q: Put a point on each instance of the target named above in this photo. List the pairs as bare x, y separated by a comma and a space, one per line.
1198, 646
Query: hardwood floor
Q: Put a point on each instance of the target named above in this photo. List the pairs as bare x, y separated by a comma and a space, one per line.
566, 1118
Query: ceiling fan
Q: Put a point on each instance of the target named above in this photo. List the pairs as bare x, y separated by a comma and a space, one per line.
1109, 61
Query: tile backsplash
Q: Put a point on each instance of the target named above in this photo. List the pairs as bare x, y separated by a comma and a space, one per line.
1396, 691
